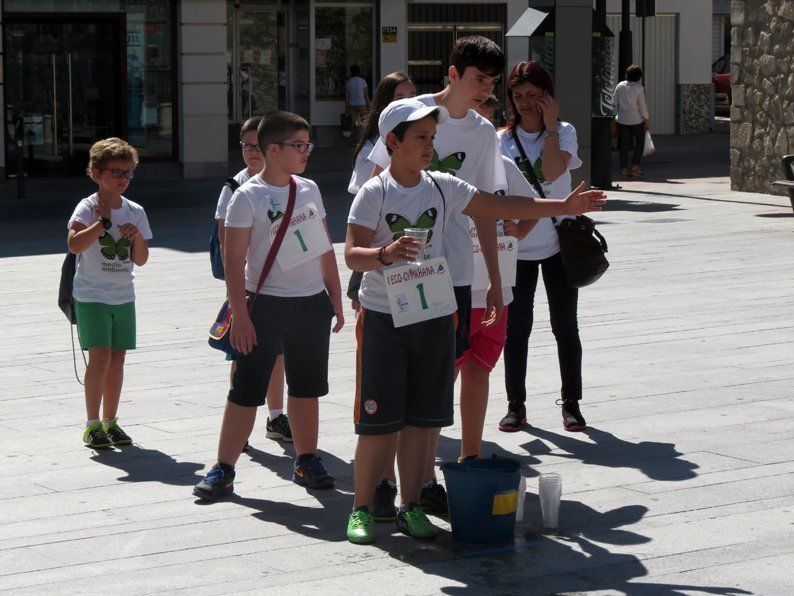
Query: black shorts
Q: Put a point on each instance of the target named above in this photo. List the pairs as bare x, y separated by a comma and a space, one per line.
404, 375
300, 328
463, 298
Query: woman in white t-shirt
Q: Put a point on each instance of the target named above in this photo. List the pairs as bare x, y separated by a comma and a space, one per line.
393, 86
545, 150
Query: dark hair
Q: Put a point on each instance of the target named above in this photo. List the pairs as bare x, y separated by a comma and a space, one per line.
355, 70
531, 72
634, 73
276, 127
479, 52
250, 125
402, 128
383, 96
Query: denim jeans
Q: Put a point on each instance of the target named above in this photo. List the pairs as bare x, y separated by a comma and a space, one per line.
627, 134
563, 301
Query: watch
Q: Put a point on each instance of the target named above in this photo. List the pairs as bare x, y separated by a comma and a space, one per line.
551, 133
106, 223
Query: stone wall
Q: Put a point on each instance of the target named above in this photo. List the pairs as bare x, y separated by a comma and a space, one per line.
762, 85
696, 108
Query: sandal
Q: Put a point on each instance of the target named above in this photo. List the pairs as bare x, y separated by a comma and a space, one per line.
635, 171
625, 173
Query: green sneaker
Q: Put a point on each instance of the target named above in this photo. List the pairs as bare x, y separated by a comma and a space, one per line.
116, 434
414, 522
361, 527
95, 437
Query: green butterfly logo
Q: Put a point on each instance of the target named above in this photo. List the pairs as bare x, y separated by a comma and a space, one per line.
449, 165
538, 167
111, 249
274, 216
398, 223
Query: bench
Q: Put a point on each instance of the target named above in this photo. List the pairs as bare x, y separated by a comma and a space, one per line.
787, 161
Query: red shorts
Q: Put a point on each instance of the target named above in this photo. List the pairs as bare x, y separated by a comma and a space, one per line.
485, 343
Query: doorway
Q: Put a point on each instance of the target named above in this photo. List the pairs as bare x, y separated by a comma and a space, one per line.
63, 79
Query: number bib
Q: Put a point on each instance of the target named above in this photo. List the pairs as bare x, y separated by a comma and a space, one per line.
305, 238
420, 292
507, 251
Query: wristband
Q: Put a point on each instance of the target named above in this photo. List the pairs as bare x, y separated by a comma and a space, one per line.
381, 253
105, 221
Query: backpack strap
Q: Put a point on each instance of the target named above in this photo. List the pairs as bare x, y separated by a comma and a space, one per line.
231, 184
443, 200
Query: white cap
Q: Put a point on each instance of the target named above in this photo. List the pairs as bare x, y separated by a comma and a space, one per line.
406, 110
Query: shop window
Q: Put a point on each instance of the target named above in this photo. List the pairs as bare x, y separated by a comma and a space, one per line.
342, 38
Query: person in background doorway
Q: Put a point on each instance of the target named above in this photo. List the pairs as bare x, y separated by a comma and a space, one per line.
356, 95
632, 119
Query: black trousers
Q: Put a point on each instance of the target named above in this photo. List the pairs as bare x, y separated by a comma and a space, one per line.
628, 136
563, 302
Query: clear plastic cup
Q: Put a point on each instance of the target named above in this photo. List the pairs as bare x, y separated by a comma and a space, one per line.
420, 236
550, 493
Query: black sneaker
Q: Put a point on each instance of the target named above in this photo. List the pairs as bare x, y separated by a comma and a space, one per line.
95, 437
512, 422
215, 485
383, 509
433, 500
572, 419
312, 474
116, 435
279, 429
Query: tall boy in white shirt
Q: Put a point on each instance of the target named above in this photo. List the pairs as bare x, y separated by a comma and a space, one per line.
291, 314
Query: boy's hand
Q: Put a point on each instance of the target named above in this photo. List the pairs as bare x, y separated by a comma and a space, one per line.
494, 306
243, 334
581, 201
102, 209
129, 231
340, 318
404, 248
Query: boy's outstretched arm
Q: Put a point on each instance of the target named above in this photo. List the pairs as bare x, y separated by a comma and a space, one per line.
332, 284
515, 207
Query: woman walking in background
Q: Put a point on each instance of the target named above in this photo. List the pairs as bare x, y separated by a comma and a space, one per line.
632, 119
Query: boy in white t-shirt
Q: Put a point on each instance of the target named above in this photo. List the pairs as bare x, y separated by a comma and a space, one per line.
356, 93
277, 426
291, 314
465, 147
405, 330
110, 235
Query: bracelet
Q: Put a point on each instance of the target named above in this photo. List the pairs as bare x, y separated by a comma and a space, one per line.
549, 133
381, 252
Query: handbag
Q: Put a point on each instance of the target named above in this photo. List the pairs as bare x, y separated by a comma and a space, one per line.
582, 247
216, 259
66, 286
220, 330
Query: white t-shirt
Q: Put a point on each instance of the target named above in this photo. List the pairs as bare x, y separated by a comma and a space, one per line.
386, 207
104, 270
466, 148
542, 240
226, 193
355, 87
257, 205
363, 168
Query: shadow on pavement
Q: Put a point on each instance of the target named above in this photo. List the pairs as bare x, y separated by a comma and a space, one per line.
658, 461
149, 465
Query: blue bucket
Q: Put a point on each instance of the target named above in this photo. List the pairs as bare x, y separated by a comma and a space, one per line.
483, 497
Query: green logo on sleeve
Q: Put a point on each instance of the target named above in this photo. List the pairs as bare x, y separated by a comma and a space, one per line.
397, 223
111, 249
449, 165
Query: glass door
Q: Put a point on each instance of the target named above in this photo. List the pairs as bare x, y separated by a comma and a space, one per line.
258, 56
63, 74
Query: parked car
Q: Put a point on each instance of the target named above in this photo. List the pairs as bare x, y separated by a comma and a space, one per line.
721, 79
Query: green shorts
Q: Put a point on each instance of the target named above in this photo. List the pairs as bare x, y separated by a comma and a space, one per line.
105, 325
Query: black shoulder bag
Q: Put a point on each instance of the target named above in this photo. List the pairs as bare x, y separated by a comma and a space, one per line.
582, 247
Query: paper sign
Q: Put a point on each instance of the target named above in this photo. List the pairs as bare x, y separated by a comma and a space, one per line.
420, 292
305, 238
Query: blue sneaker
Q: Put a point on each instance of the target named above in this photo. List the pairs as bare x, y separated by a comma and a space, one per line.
312, 474
215, 485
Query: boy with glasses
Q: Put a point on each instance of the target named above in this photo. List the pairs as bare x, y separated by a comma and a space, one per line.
291, 314
277, 426
110, 235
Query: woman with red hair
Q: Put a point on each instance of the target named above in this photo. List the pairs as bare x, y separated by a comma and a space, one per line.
545, 150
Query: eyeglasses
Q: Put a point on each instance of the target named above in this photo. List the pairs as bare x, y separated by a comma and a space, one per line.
128, 174
250, 147
299, 147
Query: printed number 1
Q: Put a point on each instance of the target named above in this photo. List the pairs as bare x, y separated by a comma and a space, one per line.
422, 299
300, 239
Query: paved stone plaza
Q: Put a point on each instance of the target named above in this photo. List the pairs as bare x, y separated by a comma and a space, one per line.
684, 483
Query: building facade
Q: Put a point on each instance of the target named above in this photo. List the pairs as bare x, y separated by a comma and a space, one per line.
177, 77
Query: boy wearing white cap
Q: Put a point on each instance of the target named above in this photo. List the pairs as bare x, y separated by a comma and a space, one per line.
406, 343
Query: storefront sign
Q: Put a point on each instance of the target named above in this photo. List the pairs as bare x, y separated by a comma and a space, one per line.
388, 34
